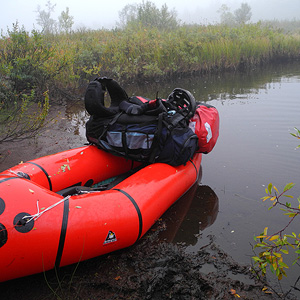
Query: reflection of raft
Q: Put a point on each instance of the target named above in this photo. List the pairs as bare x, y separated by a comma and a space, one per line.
42, 228
190, 215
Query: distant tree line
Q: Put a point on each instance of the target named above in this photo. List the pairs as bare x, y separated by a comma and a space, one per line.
145, 14
148, 15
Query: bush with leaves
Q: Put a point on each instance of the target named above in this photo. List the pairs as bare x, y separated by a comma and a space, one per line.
29, 60
273, 246
7, 95
28, 67
24, 118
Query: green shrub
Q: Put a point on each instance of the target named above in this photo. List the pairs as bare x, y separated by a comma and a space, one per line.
24, 118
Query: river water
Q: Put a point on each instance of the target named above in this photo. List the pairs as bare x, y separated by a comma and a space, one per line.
258, 111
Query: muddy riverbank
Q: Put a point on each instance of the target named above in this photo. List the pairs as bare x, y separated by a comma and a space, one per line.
147, 270
59, 134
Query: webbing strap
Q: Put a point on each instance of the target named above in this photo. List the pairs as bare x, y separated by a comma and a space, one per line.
110, 123
174, 121
157, 137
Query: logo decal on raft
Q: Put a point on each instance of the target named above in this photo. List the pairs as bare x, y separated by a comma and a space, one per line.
110, 238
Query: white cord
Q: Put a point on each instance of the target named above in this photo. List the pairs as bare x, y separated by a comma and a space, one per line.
38, 214
11, 171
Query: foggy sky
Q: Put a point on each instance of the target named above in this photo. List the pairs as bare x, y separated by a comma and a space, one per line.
98, 13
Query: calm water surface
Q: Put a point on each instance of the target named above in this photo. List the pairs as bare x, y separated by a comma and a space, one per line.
258, 111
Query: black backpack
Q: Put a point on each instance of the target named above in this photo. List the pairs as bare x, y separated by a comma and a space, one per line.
139, 128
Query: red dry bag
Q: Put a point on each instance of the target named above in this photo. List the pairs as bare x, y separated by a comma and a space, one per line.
205, 122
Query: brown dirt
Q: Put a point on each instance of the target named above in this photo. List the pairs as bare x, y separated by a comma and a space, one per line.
147, 270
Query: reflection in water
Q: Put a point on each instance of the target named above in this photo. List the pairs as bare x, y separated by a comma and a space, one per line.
191, 214
242, 86
77, 115
224, 86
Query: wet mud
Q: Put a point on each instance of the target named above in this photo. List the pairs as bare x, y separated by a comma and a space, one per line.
150, 269
60, 133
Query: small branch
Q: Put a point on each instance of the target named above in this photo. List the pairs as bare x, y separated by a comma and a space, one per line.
280, 231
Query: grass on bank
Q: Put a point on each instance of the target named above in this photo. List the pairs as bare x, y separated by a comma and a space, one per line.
65, 60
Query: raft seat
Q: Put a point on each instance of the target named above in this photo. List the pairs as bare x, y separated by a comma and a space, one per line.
75, 190
102, 186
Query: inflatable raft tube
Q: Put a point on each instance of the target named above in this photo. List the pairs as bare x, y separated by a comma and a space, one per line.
40, 229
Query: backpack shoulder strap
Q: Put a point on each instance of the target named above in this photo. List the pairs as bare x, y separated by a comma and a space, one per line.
116, 92
94, 97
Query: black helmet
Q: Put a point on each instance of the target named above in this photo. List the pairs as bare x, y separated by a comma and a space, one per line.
182, 101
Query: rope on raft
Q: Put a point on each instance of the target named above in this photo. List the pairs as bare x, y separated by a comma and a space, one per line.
39, 213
